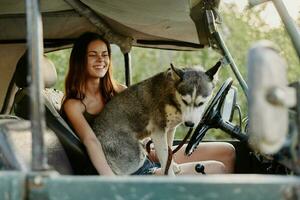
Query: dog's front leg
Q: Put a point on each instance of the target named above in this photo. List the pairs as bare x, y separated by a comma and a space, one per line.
170, 138
161, 148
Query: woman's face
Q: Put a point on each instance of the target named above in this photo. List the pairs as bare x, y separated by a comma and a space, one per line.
97, 59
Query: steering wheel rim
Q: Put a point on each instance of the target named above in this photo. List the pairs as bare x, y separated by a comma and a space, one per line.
203, 125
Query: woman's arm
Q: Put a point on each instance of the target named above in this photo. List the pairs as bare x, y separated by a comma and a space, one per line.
74, 109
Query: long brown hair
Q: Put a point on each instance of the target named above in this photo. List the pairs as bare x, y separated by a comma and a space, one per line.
77, 74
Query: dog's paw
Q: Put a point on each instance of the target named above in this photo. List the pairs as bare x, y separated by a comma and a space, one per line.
176, 168
171, 173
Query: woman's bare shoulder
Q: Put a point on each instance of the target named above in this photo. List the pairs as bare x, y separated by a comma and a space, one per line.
73, 104
121, 87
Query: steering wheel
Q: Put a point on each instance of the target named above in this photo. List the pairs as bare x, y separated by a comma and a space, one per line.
212, 119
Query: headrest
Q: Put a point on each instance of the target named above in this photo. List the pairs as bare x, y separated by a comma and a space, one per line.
22, 78
49, 72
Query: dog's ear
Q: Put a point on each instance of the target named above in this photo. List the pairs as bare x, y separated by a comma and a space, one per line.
212, 71
176, 72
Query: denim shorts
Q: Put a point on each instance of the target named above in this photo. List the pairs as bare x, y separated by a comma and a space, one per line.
149, 167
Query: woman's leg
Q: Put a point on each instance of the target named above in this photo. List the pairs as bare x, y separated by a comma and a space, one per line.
210, 153
211, 167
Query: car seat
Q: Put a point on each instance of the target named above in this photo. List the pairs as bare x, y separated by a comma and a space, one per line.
73, 147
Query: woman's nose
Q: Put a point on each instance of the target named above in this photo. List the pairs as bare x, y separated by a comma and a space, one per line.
100, 57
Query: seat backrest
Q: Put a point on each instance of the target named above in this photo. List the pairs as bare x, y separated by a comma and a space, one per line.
16, 149
74, 148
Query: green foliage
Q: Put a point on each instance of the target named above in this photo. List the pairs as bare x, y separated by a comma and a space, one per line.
61, 61
239, 30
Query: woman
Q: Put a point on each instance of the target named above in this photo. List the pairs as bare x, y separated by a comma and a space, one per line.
89, 86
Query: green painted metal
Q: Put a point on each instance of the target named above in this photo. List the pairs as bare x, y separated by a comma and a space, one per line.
51, 186
12, 185
238, 187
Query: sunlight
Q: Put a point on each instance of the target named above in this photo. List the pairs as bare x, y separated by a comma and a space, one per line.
270, 15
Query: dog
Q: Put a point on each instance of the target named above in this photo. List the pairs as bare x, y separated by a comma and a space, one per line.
152, 108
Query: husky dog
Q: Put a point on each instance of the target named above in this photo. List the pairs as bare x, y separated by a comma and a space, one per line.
152, 108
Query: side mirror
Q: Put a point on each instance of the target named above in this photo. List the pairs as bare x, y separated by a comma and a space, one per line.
269, 98
229, 103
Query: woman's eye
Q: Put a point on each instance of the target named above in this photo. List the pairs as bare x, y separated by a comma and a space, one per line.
94, 55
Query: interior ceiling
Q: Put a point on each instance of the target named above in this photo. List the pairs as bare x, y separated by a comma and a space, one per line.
161, 24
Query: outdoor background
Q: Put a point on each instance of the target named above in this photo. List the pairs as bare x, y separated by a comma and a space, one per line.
241, 27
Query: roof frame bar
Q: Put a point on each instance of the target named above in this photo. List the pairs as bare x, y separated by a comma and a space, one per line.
35, 54
124, 42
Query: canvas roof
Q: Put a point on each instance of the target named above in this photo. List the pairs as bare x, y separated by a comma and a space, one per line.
150, 23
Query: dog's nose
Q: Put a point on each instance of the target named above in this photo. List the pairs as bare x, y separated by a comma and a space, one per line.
189, 124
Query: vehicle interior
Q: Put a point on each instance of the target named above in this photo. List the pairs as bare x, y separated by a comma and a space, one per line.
171, 24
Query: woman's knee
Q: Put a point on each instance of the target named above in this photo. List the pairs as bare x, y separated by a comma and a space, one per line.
229, 156
214, 167
221, 168
229, 151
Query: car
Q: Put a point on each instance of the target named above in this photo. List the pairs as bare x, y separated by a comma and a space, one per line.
42, 158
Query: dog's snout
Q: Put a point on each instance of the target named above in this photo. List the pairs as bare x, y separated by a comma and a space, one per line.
189, 124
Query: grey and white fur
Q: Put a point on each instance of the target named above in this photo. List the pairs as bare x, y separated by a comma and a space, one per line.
152, 108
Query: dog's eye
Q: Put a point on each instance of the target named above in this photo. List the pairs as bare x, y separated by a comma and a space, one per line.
185, 102
199, 104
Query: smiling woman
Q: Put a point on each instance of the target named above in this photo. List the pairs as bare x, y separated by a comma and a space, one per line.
98, 59
89, 85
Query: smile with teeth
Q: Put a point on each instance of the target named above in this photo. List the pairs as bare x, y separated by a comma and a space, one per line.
99, 66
